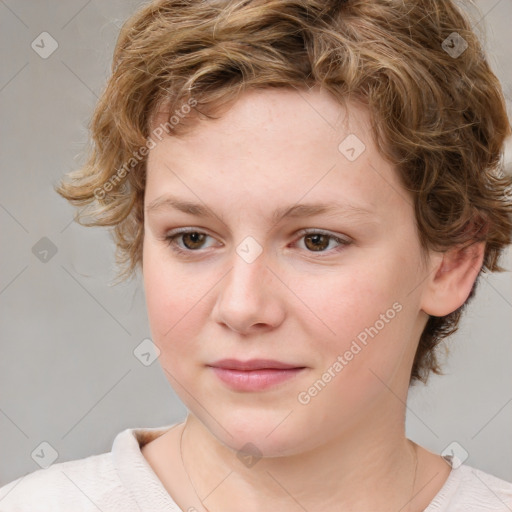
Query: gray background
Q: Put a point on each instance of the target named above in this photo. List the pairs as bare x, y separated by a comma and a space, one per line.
68, 375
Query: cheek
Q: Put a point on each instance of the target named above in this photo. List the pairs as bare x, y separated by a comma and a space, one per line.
364, 319
358, 360
171, 298
352, 300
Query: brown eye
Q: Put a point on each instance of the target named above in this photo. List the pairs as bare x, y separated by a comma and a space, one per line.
187, 242
317, 242
184, 241
193, 239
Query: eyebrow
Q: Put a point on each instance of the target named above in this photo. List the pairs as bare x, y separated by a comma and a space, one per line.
293, 211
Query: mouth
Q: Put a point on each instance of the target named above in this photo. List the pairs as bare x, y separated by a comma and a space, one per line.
255, 374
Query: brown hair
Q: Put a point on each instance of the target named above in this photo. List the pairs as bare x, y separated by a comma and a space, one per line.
437, 109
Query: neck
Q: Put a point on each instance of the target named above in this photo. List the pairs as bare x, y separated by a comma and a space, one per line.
371, 467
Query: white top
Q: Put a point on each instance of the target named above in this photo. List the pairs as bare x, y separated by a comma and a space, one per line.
122, 480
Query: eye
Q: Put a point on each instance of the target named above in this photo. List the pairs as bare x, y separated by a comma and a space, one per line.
318, 241
193, 241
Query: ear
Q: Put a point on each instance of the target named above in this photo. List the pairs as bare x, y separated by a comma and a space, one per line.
451, 280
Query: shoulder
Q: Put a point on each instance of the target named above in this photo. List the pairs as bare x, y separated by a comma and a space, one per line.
84, 484
472, 490
115, 480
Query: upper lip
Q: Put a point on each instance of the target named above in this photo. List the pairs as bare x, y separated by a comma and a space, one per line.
252, 364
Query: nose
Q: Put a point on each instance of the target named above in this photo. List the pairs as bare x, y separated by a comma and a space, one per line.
250, 297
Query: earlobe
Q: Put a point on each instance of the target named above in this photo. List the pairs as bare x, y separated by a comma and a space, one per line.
452, 278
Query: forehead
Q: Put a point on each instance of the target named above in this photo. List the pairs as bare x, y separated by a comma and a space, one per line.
277, 146
285, 113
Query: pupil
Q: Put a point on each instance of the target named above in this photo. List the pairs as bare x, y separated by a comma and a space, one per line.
316, 239
195, 238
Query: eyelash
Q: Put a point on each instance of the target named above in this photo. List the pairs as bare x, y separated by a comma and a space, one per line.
170, 239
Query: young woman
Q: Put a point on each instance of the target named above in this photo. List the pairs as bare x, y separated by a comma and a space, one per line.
311, 190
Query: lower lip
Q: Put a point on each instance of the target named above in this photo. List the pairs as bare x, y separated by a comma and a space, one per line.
254, 380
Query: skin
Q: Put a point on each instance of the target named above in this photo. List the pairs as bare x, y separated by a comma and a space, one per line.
271, 149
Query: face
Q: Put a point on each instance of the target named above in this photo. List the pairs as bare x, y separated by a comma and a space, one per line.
333, 293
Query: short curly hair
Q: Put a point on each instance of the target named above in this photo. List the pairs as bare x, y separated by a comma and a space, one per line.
438, 111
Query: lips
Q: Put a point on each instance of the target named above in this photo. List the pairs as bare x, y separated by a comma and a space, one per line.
253, 364
254, 375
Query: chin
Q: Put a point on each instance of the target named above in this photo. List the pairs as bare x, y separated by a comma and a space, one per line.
260, 432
